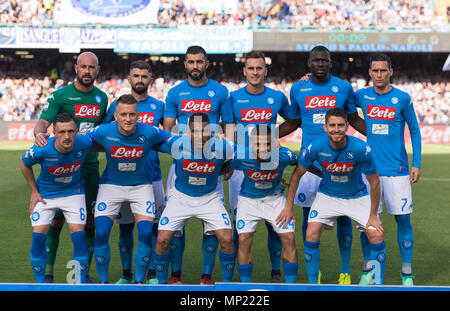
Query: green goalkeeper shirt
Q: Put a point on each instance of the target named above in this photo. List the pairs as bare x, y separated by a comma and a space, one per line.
87, 108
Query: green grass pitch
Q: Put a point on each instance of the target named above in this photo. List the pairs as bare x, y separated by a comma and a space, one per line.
430, 220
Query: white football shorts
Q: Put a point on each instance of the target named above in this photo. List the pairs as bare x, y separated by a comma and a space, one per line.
125, 215
307, 190
251, 211
110, 199
73, 207
234, 188
327, 209
395, 193
181, 207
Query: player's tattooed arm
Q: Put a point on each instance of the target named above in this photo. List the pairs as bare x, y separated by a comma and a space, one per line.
28, 174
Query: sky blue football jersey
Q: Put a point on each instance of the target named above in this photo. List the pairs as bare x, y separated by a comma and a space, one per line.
385, 116
60, 174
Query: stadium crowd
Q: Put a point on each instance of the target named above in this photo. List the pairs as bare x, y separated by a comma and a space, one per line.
345, 14
22, 98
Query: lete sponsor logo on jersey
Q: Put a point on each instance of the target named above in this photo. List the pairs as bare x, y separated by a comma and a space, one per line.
147, 118
124, 152
87, 111
263, 176
383, 113
65, 169
199, 167
196, 105
320, 102
338, 167
256, 115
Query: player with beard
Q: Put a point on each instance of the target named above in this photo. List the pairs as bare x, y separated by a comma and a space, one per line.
87, 104
313, 98
151, 112
197, 94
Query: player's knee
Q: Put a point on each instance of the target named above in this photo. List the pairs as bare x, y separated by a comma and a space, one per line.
163, 241
312, 234
374, 236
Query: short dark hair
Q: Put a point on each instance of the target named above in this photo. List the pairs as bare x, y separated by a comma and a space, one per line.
335, 112
126, 99
260, 130
140, 64
255, 54
195, 49
319, 48
380, 57
198, 116
63, 117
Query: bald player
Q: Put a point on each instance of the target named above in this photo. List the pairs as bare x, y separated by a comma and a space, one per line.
87, 104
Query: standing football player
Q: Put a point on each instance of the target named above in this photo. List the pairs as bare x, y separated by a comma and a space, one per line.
386, 111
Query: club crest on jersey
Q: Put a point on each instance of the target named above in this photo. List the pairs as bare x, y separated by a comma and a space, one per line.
98, 99
65, 169
263, 176
35, 216
87, 111
199, 167
350, 155
196, 105
124, 152
334, 89
270, 100
141, 139
383, 113
211, 93
394, 100
153, 106
338, 167
320, 102
256, 115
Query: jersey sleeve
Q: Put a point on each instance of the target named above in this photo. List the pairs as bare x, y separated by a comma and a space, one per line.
290, 157
367, 162
294, 107
109, 115
350, 103
157, 135
226, 109
288, 111
414, 130
170, 106
95, 134
51, 109
32, 156
308, 156
166, 146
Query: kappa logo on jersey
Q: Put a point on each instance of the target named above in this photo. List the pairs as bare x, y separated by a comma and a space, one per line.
147, 118
263, 176
87, 111
127, 152
196, 105
199, 167
65, 170
256, 115
320, 102
383, 113
338, 168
